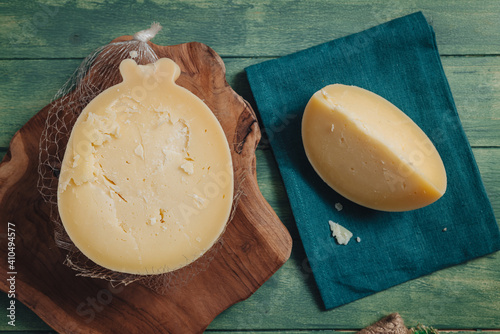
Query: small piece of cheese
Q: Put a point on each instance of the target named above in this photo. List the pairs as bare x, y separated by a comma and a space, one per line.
139, 150
124, 194
340, 233
199, 201
188, 167
377, 156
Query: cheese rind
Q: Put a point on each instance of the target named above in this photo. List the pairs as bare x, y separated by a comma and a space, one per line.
369, 151
146, 184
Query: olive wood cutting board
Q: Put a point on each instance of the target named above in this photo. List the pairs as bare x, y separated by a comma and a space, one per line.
254, 245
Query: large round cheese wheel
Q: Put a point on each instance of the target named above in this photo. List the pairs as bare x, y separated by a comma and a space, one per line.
146, 184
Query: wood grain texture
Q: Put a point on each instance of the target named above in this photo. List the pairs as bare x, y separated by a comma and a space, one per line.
255, 243
474, 83
281, 332
234, 27
464, 296
49, 32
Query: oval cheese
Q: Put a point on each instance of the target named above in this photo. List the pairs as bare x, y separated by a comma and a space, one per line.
146, 184
369, 151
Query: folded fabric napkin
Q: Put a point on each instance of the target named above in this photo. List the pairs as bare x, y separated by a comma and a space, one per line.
399, 61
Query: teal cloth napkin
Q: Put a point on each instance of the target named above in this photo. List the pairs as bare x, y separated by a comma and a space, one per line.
398, 60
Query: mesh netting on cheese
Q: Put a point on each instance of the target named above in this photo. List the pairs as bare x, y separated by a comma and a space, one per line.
99, 71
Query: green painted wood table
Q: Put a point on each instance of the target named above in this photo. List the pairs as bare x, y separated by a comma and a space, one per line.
43, 41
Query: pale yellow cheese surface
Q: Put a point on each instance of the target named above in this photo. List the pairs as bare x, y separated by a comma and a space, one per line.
146, 184
369, 151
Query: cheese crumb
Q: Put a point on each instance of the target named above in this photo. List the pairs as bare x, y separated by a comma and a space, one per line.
324, 93
333, 127
76, 158
200, 201
358, 239
339, 206
188, 167
139, 150
340, 233
152, 220
445, 229
133, 54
